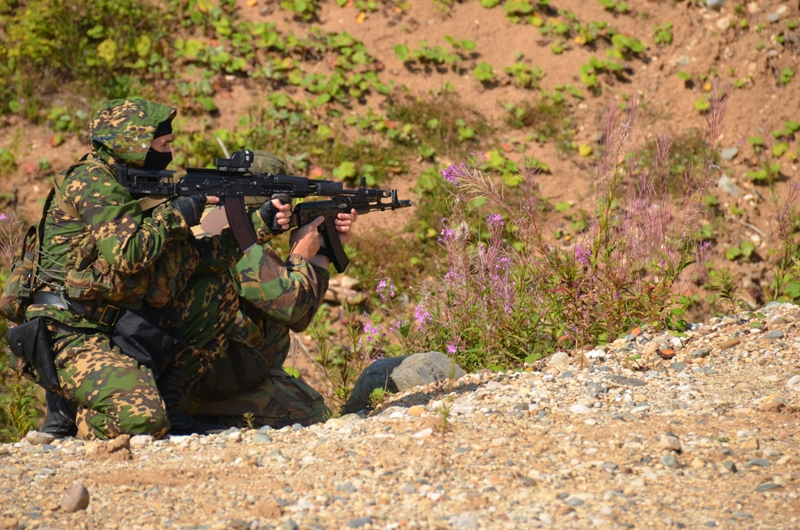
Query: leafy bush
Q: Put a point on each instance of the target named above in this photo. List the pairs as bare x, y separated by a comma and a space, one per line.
509, 295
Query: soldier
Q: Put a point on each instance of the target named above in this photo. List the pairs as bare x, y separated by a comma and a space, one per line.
104, 255
275, 297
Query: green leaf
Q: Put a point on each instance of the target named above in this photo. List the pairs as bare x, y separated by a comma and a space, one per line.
748, 247
779, 148
107, 50
345, 170
401, 51
488, 4
477, 202
563, 207
292, 371
733, 252
702, 104
96, 32
484, 72
143, 46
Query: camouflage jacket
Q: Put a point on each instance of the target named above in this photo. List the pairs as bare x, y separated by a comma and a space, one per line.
114, 251
275, 297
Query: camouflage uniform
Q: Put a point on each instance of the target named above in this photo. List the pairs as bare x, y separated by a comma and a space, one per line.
276, 297
113, 252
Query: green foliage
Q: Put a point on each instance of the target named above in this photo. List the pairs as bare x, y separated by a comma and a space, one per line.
525, 76
484, 73
663, 34
786, 75
7, 161
303, 9
549, 119
589, 72
702, 104
614, 5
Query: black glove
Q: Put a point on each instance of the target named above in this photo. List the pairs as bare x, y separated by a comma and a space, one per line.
267, 213
190, 208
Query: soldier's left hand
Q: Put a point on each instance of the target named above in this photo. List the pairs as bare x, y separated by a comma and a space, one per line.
344, 223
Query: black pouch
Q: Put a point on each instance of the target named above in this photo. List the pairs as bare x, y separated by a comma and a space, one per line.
146, 342
30, 343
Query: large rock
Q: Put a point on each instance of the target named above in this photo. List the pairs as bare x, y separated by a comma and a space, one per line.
398, 374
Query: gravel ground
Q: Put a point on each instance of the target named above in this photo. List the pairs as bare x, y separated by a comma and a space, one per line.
614, 437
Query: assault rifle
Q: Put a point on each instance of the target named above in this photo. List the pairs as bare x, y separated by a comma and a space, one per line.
232, 181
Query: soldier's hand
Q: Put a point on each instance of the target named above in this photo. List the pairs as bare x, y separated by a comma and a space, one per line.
305, 240
190, 208
276, 214
344, 223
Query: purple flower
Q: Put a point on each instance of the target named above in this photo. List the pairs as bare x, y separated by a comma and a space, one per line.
385, 288
421, 315
3, 217
495, 220
454, 173
582, 255
451, 349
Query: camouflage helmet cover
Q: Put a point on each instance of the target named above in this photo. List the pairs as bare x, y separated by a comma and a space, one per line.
265, 162
123, 129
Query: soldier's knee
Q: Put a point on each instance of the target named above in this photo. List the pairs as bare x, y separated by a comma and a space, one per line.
151, 419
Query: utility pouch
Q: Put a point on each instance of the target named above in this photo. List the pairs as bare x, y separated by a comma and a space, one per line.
30, 344
17, 291
146, 342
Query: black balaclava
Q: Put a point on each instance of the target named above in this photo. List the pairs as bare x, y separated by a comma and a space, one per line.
156, 159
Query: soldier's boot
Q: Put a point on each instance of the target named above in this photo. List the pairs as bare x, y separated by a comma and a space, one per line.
60, 419
173, 384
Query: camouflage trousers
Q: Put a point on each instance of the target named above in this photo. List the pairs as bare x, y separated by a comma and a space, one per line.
117, 396
113, 393
279, 401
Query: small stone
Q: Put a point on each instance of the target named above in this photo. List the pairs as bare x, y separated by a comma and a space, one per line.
669, 461
730, 465
261, 437
668, 443
774, 334
39, 438
266, 428
761, 462
752, 8
714, 4
794, 383
723, 23
772, 404
464, 522
701, 353
235, 437
579, 409
75, 498
499, 442
678, 367
724, 345
751, 444
626, 381
141, 440
424, 433
774, 17
574, 501
729, 153
288, 524
359, 522
416, 411
727, 185
768, 486
559, 360
565, 509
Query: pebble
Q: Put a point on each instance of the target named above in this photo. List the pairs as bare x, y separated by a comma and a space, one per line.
774, 17
39, 438
140, 440
579, 409
724, 345
760, 462
774, 334
359, 522
261, 437
559, 360
723, 23
424, 433
669, 460
729, 153
714, 3
768, 486
793, 383
701, 353
668, 443
678, 367
75, 498
727, 185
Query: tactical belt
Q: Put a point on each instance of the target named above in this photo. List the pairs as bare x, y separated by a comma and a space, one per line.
105, 314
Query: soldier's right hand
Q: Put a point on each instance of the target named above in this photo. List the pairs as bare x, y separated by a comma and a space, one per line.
190, 208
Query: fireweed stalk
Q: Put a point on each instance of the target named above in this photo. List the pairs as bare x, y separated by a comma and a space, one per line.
509, 294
